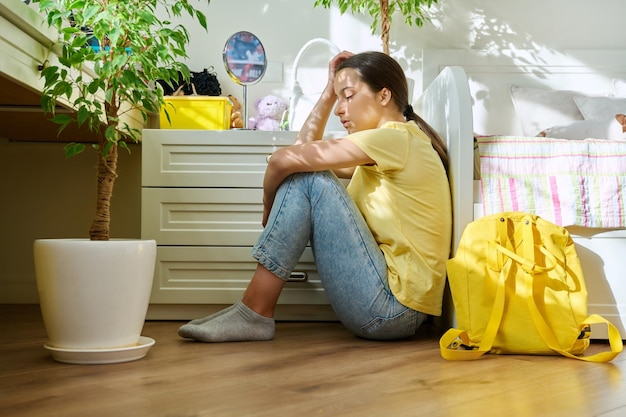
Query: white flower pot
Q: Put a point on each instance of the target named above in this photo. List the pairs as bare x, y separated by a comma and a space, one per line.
94, 297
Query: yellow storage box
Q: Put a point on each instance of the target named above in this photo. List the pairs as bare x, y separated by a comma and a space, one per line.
196, 112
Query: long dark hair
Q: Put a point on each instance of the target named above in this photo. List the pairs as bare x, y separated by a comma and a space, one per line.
378, 71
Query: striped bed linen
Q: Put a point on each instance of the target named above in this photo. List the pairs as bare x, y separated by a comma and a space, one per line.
568, 182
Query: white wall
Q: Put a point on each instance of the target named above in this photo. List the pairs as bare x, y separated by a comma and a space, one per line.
42, 195
284, 26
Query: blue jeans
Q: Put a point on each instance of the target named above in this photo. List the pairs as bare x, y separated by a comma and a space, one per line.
316, 207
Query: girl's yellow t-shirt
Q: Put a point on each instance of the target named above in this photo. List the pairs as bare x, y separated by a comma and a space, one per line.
405, 200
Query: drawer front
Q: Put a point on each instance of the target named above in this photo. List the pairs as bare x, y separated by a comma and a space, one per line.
219, 275
203, 158
201, 216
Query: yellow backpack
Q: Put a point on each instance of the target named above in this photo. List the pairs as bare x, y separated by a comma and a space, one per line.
518, 288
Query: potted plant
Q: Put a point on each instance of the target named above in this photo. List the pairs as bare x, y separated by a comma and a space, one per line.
413, 11
108, 55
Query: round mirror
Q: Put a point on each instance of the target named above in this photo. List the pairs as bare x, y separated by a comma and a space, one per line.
244, 58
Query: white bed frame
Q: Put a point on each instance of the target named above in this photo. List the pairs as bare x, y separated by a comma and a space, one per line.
468, 92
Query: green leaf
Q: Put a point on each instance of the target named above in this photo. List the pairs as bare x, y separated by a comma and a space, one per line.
107, 148
108, 95
62, 119
91, 11
47, 103
50, 74
201, 19
82, 115
93, 86
111, 134
73, 149
79, 41
177, 8
147, 16
124, 145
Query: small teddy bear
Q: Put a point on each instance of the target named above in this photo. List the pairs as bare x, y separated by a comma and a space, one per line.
236, 121
270, 110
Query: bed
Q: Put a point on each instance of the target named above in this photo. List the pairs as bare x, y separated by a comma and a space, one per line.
492, 108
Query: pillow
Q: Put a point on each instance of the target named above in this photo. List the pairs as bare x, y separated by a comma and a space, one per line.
539, 108
600, 108
619, 87
583, 129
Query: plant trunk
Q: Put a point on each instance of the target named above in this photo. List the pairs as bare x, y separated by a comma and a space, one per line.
385, 25
107, 174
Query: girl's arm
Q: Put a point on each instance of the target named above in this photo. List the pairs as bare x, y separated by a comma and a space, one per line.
315, 123
313, 156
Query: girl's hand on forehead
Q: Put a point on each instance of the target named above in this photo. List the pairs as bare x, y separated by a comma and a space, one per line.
337, 59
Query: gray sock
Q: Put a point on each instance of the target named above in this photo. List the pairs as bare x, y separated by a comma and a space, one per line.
212, 316
237, 323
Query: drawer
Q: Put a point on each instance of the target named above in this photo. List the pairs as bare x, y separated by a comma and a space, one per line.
202, 216
219, 275
205, 158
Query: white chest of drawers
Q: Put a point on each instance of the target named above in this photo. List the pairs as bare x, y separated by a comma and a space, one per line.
202, 202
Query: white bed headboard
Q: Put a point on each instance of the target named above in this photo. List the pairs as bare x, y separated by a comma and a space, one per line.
446, 106
491, 74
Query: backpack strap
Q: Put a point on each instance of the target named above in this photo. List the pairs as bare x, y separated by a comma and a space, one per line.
455, 344
615, 340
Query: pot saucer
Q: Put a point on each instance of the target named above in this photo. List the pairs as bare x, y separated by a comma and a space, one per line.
102, 356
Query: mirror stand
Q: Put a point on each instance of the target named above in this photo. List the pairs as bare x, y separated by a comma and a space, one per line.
245, 106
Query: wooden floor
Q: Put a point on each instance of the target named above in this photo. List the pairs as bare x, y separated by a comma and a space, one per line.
309, 369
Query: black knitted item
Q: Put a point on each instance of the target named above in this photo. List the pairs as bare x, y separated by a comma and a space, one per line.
205, 82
